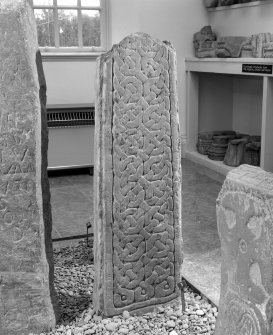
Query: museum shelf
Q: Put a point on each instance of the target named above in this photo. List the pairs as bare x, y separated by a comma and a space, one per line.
241, 5
220, 96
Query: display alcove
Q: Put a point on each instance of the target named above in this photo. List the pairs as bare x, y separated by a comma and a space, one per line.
220, 96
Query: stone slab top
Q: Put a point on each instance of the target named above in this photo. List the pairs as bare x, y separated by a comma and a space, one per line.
252, 178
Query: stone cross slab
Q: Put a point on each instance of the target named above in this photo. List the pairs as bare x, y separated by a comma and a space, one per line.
26, 266
245, 225
137, 213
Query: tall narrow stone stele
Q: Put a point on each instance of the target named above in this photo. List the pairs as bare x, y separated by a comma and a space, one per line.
26, 267
245, 224
137, 233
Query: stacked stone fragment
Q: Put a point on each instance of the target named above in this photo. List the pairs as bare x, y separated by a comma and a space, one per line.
218, 148
204, 142
244, 149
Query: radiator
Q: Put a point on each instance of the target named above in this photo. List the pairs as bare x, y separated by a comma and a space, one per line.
71, 136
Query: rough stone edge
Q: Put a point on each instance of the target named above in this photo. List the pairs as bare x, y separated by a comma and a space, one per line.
42, 182
249, 179
26, 17
104, 275
104, 69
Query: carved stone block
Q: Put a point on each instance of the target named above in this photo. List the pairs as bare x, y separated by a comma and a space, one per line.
204, 42
244, 216
137, 213
230, 46
26, 267
252, 153
235, 152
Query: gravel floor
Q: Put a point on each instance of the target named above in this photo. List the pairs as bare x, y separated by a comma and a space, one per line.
74, 275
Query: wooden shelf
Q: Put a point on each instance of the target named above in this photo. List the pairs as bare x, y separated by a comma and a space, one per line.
241, 5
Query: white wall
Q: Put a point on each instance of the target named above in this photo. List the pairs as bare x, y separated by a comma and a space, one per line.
247, 93
215, 102
173, 20
247, 105
70, 82
242, 21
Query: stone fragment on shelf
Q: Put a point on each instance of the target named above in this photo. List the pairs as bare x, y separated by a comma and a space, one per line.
211, 3
227, 2
203, 146
258, 46
224, 132
204, 142
252, 151
206, 138
230, 46
218, 148
268, 50
217, 151
204, 42
222, 139
235, 152
207, 45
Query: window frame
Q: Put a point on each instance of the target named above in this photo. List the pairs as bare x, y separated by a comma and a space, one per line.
104, 29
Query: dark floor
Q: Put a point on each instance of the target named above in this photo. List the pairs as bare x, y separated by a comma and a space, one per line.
72, 208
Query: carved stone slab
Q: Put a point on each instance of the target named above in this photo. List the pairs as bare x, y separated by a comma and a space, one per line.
137, 233
26, 268
245, 225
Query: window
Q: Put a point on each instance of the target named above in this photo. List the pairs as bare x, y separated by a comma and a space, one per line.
71, 25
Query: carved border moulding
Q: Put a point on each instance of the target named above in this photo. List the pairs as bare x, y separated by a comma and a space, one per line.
244, 215
27, 297
137, 232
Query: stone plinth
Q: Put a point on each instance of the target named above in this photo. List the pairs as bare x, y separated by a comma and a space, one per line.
245, 225
26, 267
137, 213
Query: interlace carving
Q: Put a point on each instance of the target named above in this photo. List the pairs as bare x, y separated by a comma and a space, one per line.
143, 223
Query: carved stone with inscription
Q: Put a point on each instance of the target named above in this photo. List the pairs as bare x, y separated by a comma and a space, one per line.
27, 296
137, 232
244, 215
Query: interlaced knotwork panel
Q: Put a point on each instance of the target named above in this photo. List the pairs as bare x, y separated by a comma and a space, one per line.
143, 222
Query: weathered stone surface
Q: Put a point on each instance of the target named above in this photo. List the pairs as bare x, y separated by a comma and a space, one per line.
252, 153
26, 268
235, 152
230, 46
137, 232
258, 45
227, 2
244, 214
211, 3
204, 42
